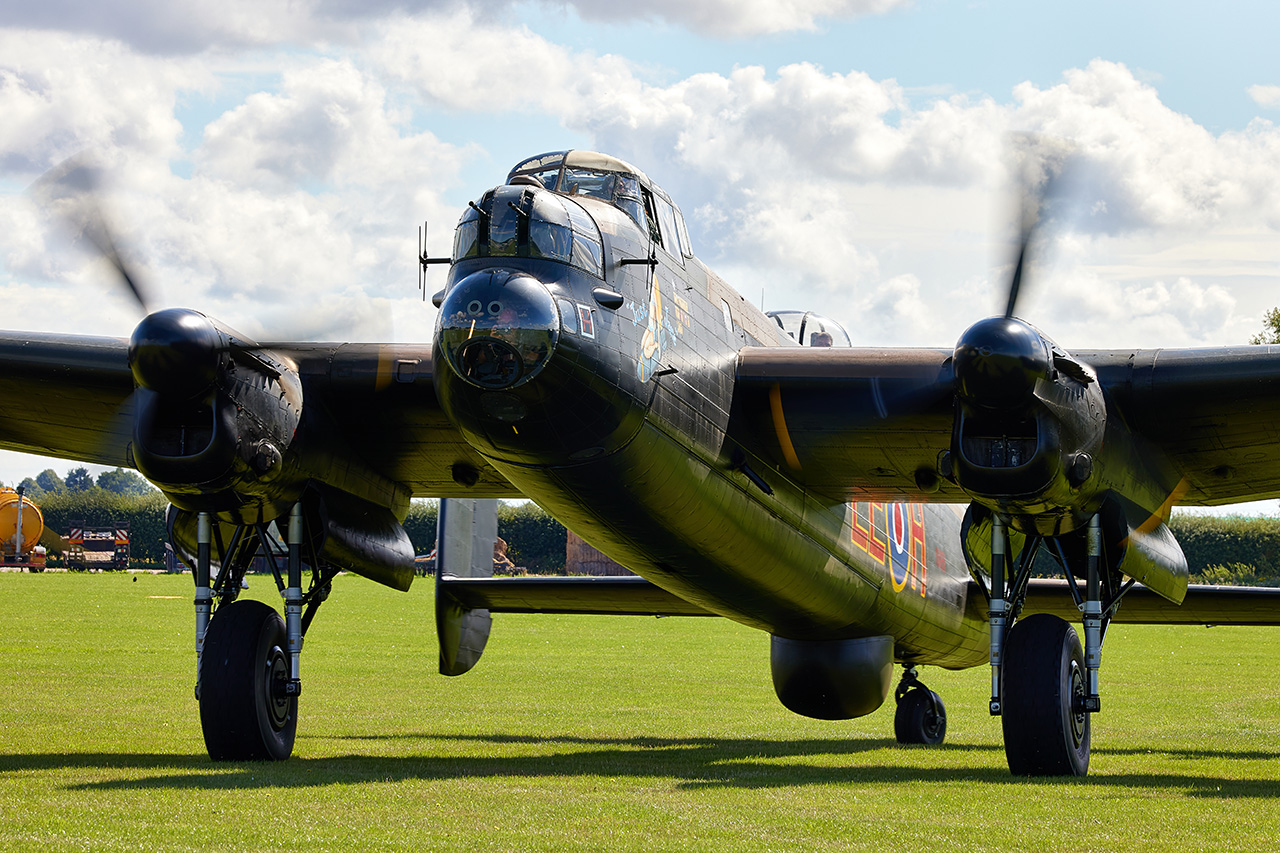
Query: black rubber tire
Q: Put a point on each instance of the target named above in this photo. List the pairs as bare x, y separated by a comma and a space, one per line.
916, 721
1046, 730
242, 711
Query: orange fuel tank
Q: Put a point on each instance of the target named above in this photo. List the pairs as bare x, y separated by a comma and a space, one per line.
32, 523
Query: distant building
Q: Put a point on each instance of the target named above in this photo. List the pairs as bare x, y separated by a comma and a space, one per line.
582, 559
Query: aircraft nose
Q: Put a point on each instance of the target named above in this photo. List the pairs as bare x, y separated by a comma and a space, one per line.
498, 328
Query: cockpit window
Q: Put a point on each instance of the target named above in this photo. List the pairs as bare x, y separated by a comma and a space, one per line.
549, 232
626, 195
670, 233
466, 240
586, 182
588, 253
505, 220
810, 329
546, 179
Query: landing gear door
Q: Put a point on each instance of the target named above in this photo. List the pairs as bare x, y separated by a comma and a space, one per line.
465, 534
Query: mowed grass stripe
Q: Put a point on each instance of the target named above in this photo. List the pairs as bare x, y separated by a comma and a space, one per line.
592, 733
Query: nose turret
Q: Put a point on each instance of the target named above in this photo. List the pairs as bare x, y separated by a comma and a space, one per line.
498, 328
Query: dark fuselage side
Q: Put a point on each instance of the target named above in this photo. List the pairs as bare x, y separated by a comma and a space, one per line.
630, 439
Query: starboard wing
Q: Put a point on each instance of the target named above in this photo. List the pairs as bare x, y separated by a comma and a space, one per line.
851, 424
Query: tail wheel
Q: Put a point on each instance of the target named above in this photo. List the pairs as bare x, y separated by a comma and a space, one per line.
1046, 729
920, 718
244, 671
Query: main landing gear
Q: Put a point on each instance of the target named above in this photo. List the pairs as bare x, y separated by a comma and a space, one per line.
247, 657
1044, 686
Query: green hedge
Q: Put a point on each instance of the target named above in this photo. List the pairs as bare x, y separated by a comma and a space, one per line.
1230, 549
535, 539
99, 508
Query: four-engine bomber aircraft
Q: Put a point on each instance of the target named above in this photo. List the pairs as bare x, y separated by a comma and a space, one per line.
864, 506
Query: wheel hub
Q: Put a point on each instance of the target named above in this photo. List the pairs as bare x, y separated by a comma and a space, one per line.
277, 675
1079, 716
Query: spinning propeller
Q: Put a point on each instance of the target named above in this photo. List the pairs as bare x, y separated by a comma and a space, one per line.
1029, 418
213, 412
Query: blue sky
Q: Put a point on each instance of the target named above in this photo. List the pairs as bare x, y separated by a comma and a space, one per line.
269, 162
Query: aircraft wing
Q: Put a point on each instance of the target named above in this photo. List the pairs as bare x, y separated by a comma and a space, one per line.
852, 424
1213, 412
72, 397
66, 396
862, 424
1204, 605
578, 594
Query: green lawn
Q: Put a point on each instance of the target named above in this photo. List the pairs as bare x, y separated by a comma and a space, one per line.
592, 733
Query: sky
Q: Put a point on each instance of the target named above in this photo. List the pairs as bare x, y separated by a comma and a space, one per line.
269, 162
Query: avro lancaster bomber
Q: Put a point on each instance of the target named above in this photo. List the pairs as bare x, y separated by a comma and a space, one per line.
869, 508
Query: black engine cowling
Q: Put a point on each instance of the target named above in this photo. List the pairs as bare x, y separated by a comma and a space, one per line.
1029, 427
214, 415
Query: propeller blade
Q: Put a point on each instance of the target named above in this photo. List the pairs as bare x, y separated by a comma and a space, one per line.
72, 190
1016, 284
99, 234
1037, 186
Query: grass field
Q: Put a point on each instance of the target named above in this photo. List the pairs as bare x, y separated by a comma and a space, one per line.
592, 733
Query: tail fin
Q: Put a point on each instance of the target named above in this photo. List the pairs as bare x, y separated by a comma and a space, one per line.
465, 535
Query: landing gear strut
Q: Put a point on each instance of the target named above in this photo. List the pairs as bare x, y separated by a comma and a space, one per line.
247, 657
1044, 686
921, 717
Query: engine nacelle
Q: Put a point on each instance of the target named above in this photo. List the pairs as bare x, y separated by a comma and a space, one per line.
832, 679
1029, 427
214, 414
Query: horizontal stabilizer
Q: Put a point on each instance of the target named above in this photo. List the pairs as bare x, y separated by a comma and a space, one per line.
619, 596
1203, 605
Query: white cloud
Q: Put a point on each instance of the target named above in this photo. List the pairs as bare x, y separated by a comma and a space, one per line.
735, 17
302, 198
1081, 305
837, 188
1265, 96
59, 95
170, 27
167, 27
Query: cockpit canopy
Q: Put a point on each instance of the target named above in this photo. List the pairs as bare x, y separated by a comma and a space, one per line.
585, 173
600, 176
810, 329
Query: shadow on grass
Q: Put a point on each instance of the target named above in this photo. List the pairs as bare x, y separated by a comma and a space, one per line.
693, 763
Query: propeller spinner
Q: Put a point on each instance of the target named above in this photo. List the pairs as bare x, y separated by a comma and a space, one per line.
176, 352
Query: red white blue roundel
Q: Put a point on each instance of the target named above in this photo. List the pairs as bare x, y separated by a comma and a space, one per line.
899, 543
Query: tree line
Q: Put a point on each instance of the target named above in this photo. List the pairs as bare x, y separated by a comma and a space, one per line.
536, 541
1221, 550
